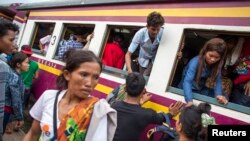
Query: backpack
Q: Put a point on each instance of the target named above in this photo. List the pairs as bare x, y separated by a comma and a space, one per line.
118, 94
168, 133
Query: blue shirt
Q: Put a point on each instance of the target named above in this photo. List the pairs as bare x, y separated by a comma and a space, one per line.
147, 48
14, 94
188, 80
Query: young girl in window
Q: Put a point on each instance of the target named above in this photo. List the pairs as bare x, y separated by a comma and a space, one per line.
203, 73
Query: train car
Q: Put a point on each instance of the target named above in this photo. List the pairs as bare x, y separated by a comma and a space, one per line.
188, 24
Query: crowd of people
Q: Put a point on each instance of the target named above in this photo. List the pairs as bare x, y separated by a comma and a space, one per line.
16, 75
71, 113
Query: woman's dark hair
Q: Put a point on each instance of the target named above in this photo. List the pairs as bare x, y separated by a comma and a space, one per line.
190, 119
135, 84
214, 44
155, 19
5, 26
73, 59
17, 58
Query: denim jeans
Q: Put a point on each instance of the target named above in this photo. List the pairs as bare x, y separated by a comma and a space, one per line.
26, 97
239, 97
6, 120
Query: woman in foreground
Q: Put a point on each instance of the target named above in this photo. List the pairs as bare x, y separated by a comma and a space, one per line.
72, 114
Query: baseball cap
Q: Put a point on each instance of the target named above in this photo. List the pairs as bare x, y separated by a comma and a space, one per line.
26, 49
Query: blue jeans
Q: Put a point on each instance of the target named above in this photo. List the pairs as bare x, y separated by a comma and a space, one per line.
205, 91
5, 120
26, 97
239, 97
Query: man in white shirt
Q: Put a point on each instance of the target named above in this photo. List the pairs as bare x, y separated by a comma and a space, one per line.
45, 41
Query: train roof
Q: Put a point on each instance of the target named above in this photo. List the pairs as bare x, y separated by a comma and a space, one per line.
9, 10
4, 9
78, 3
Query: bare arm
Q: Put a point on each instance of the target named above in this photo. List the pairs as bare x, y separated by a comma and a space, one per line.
247, 88
145, 98
89, 38
34, 132
36, 74
86, 47
175, 108
128, 61
41, 47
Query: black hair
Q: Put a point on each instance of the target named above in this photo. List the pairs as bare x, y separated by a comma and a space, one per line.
155, 19
190, 119
205, 108
51, 29
135, 84
73, 59
118, 37
17, 58
5, 26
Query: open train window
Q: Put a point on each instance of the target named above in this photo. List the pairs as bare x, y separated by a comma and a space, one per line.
41, 37
114, 48
238, 46
73, 36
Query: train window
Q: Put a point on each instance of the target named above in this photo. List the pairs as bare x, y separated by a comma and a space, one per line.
41, 37
74, 36
115, 47
235, 71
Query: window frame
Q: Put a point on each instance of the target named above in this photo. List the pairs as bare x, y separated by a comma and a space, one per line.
197, 96
120, 73
32, 41
63, 32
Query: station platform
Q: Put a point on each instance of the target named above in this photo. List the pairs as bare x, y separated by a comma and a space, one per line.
14, 136
18, 136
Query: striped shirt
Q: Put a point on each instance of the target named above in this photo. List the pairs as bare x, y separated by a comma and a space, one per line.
66, 45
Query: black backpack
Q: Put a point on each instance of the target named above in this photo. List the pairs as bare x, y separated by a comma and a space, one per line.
168, 133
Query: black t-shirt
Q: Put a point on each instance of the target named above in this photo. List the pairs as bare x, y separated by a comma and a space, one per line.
132, 120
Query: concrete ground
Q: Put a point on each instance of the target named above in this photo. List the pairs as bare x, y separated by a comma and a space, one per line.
14, 136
